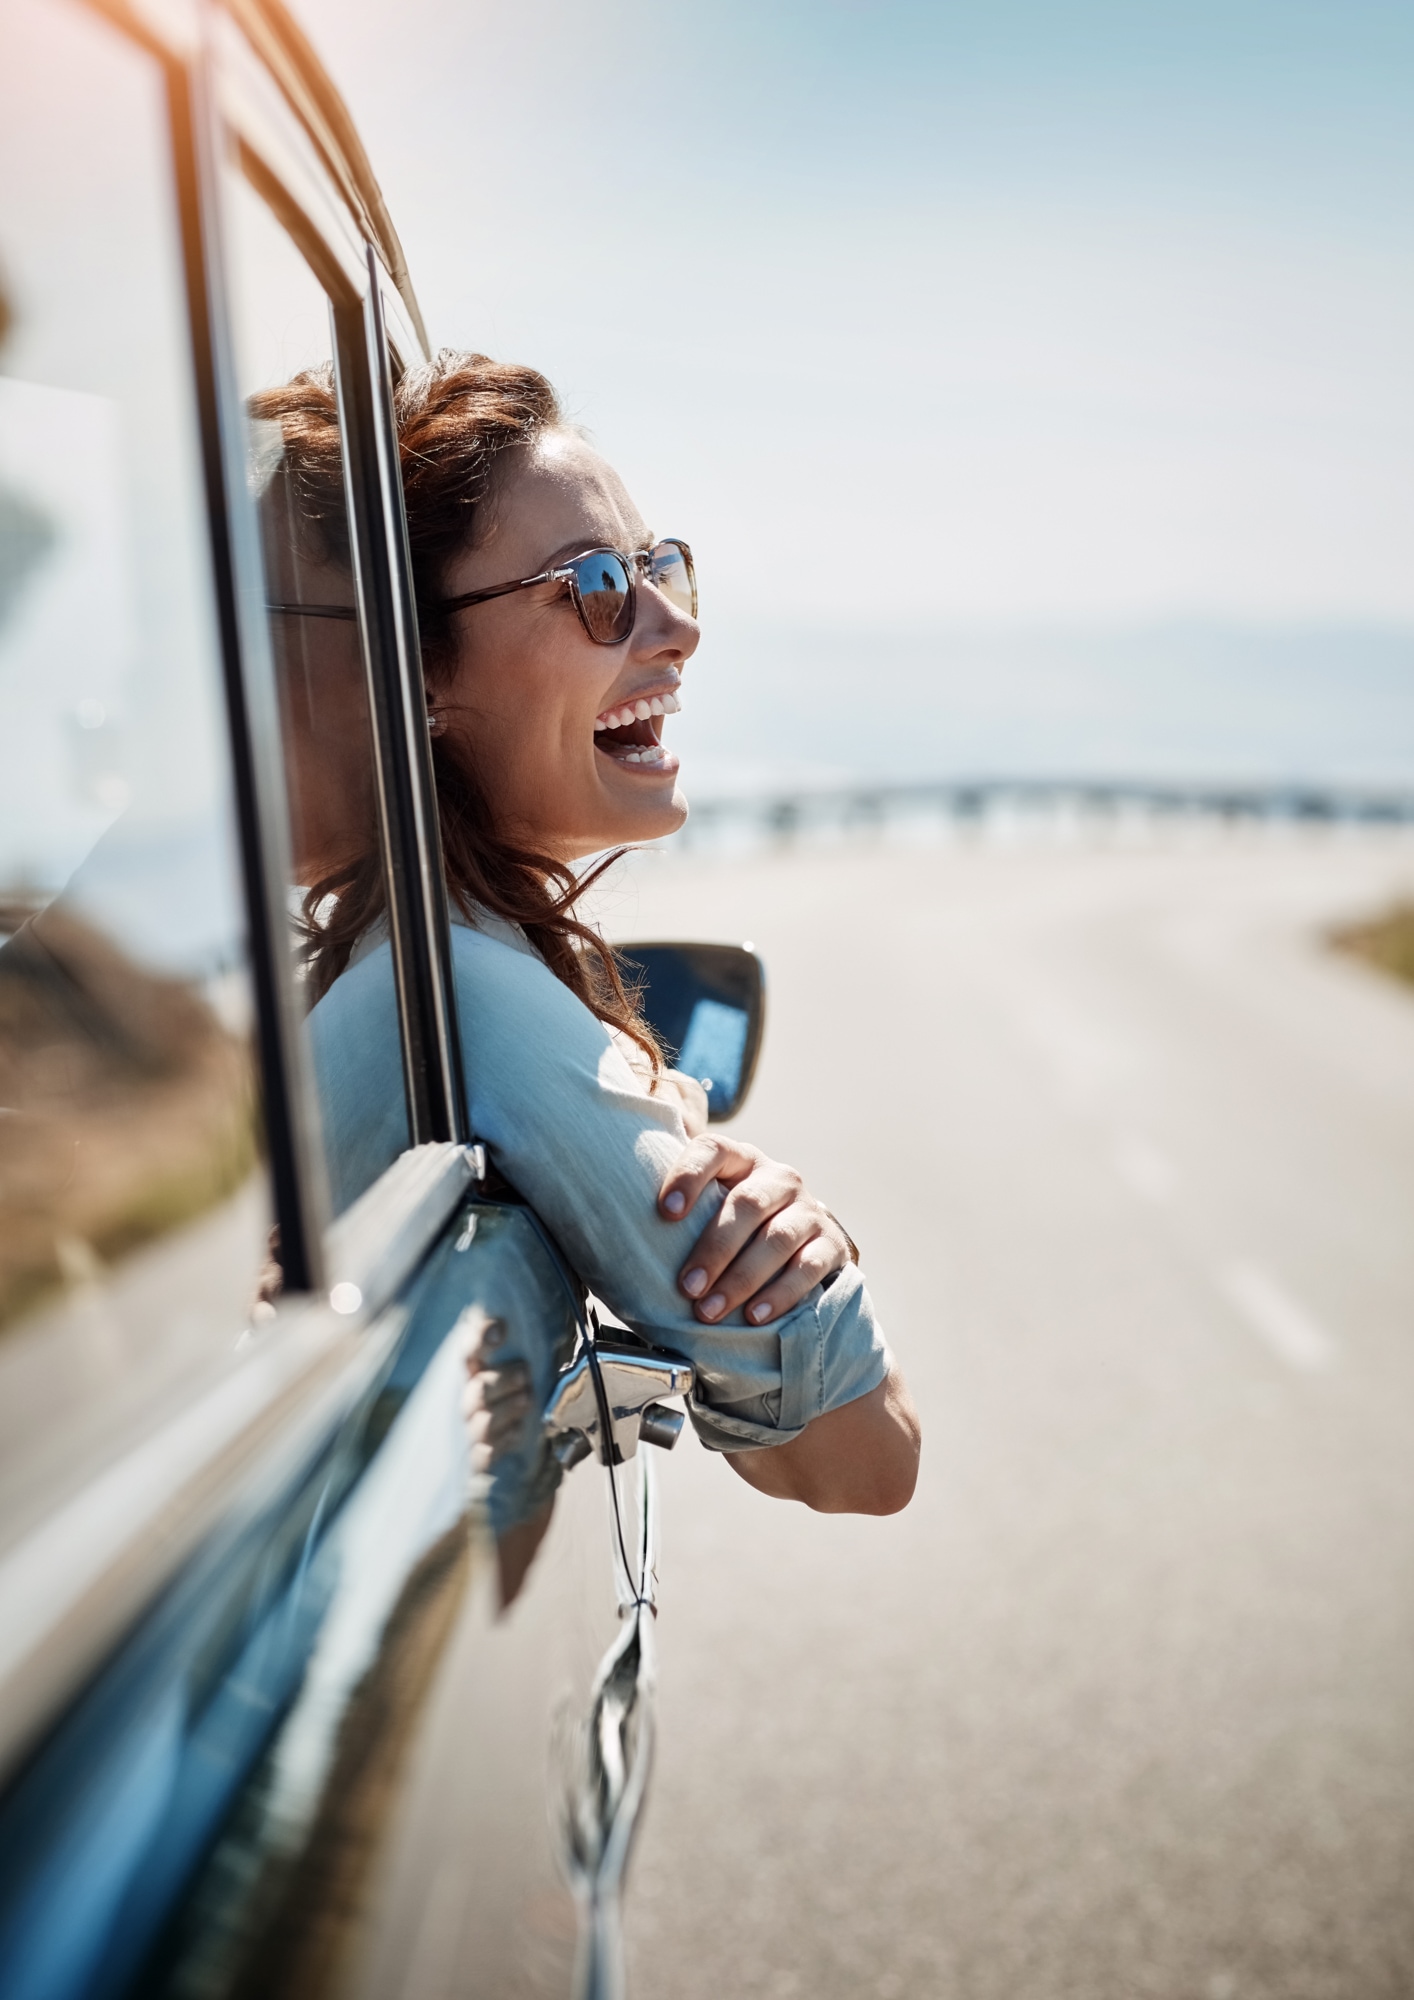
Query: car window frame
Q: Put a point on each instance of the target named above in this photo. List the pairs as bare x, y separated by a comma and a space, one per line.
144, 1515
233, 100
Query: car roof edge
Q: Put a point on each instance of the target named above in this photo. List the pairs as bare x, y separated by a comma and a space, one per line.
317, 103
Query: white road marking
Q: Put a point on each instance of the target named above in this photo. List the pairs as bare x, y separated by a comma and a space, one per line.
1150, 1173
1288, 1329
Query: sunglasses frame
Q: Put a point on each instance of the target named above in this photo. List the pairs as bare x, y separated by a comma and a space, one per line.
635, 564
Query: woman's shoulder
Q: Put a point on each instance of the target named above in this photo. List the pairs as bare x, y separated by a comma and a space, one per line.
527, 1037
502, 980
495, 953
485, 925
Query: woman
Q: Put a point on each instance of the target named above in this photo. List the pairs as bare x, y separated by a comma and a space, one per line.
556, 636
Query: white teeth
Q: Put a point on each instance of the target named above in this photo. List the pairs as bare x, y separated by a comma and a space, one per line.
637, 711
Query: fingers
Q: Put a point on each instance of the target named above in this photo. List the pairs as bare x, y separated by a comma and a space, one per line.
498, 1397
770, 1243
768, 1254
702, 1161
495, 1389
815, 1261
497, 1405
746, 1211
691, 1098
797, 1248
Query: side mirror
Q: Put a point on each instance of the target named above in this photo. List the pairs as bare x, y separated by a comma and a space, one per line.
707, 1005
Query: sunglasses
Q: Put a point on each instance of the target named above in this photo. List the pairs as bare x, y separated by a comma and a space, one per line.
604, 587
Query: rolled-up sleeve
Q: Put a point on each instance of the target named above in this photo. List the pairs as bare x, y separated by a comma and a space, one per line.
829, 1351
571, 1125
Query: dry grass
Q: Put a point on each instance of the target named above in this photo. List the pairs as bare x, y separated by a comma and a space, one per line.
1386, 941
128, 1109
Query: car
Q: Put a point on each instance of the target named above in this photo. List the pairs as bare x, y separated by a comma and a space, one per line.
307, 1686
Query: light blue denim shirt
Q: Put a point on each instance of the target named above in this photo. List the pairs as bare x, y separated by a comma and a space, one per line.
572, 1126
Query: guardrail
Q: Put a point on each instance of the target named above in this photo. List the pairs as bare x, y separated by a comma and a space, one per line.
785, 814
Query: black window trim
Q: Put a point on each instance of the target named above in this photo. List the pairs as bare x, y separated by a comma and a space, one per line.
417, 911
298, 1181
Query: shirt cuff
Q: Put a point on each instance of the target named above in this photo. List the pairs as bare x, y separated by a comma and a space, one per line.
831, 1353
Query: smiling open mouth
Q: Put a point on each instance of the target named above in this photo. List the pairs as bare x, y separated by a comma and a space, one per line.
630, 734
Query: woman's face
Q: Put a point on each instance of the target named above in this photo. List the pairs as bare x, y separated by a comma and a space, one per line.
530, 684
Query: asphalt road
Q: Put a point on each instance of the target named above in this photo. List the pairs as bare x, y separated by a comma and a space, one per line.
1124, 1704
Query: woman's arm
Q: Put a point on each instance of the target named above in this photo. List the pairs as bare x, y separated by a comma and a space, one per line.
859, 1459
766, 1249
569, 1125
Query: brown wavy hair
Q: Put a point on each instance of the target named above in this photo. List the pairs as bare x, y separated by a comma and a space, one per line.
459, 418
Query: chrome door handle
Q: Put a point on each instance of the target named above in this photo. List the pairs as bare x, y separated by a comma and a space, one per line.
634, 1378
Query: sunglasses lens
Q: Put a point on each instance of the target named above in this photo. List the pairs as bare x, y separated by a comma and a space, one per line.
604, 593
671, 569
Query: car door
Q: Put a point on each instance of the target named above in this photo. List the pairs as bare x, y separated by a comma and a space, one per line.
299, 1691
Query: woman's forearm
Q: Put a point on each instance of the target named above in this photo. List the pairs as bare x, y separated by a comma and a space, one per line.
859, 1459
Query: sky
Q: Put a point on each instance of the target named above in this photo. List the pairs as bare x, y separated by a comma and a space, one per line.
936, 326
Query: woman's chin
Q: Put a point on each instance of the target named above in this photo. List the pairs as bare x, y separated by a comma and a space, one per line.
655, 819
642, 801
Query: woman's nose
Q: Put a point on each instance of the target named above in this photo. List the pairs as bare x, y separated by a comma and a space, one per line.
666, 629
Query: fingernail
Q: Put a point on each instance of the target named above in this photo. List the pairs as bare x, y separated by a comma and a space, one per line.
759, 1312
711, 1307
675, 1202
695, 1282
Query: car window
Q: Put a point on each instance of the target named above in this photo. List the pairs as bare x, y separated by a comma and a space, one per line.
134, 1208
336, 880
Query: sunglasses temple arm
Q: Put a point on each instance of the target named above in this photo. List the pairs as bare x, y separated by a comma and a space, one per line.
501, 590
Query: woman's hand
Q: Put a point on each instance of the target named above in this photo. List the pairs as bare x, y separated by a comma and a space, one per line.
771, 1242
496, 1402
689, 1096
